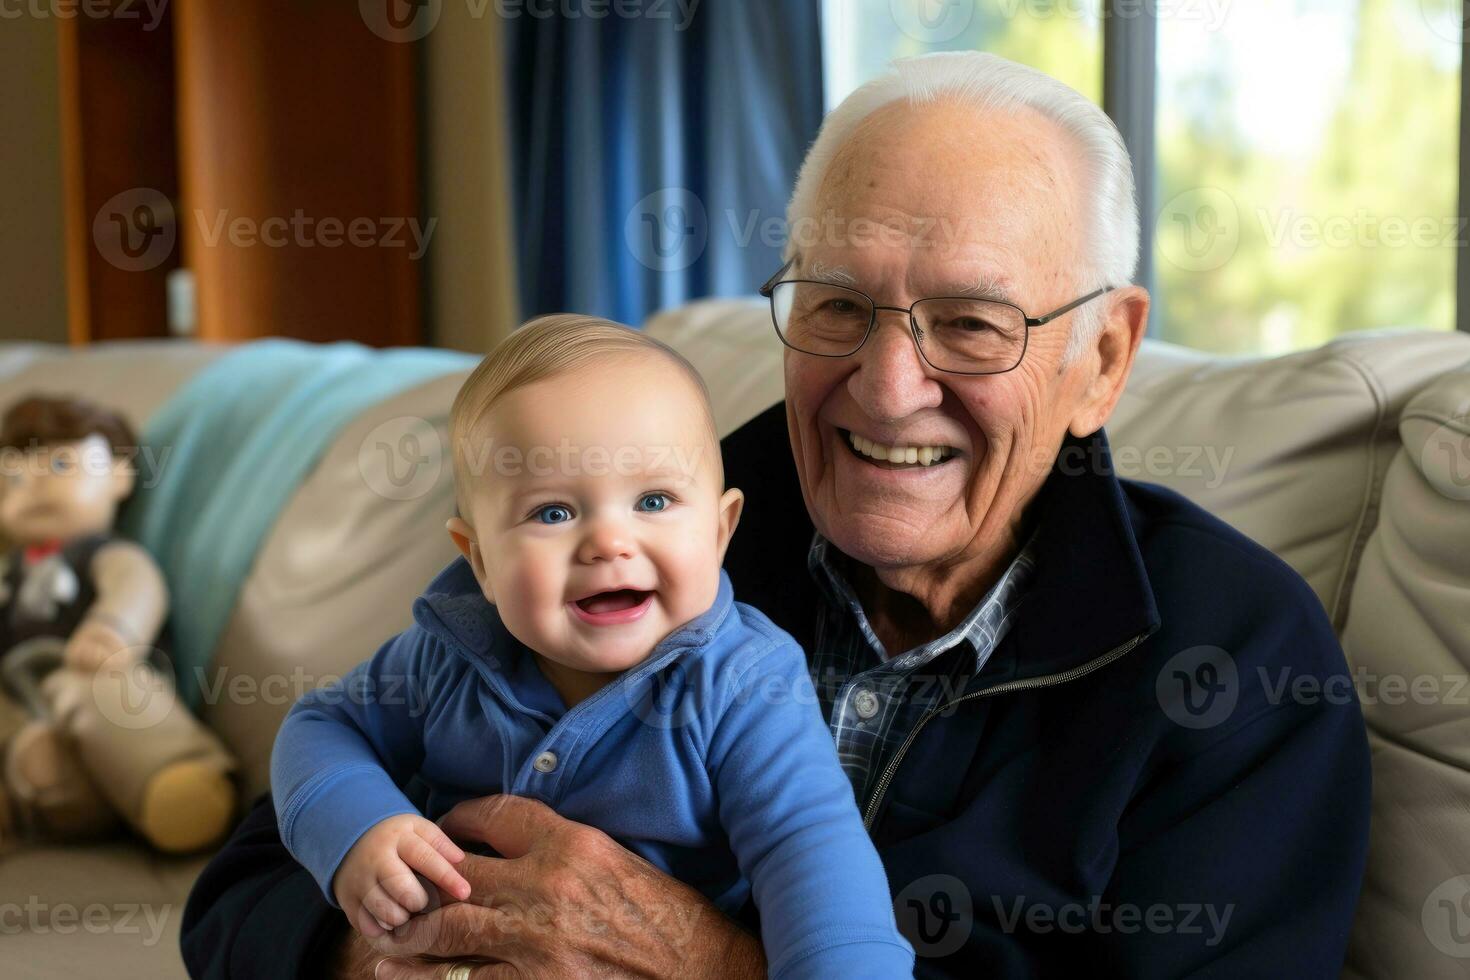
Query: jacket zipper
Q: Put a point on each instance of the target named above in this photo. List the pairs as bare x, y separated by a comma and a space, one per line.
1025, 684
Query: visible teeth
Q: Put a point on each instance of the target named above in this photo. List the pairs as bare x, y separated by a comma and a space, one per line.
922, 455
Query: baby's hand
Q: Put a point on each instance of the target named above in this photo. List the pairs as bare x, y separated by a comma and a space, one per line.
376, 885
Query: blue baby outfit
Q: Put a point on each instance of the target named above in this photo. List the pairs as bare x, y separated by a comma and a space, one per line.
710, 759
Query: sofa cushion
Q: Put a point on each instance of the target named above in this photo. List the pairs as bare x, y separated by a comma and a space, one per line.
1408, 640
101, 910
1291, 450
338, 573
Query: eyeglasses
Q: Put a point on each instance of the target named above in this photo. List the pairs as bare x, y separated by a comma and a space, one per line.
955, 334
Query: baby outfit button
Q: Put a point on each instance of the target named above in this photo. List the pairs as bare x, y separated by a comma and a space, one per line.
866, 703
545, 762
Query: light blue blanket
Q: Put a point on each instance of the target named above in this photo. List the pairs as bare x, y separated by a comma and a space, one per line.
240, 437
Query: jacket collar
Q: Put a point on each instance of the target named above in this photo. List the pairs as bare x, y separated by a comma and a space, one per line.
1091, 592
455, 610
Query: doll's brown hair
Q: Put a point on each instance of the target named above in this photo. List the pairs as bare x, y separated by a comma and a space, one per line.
45, 420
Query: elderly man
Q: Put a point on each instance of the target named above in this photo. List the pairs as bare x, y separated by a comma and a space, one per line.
1052, 690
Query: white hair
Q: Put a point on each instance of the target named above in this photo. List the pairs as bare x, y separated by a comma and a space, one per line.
989, 82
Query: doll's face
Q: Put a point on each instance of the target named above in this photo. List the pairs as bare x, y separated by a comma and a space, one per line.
599, 525
61, 491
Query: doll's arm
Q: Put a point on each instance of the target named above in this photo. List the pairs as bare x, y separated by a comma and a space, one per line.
128, 613
788, 809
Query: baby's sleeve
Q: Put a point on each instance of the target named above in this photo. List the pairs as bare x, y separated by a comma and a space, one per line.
345, 749
788, 809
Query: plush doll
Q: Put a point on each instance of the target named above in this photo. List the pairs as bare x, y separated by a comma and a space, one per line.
92, 731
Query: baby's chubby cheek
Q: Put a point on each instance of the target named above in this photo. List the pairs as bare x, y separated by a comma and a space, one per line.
528, 593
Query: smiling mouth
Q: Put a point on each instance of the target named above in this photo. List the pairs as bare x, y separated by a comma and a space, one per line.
896, 457
614, 607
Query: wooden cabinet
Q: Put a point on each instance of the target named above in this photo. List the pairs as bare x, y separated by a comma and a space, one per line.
270, 147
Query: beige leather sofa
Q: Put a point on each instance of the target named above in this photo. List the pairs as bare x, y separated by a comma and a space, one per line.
1352, 462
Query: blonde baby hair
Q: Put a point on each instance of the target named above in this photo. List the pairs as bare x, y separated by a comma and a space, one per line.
545, 347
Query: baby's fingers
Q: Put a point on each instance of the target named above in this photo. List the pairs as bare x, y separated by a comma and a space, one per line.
393, 899
362, 920
439, 840
402, 886
431, 863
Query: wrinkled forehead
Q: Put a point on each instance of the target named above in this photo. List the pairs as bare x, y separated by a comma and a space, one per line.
969, 195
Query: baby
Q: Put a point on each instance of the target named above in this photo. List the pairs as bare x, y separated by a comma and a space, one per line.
586, 651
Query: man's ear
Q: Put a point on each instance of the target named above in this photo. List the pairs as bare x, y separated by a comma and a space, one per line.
1111, 355
732, 502
464, 539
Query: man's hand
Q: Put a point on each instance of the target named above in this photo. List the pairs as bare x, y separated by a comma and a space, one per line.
565, 901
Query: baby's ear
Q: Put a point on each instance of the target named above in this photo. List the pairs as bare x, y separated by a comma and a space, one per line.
732, 502
464, 539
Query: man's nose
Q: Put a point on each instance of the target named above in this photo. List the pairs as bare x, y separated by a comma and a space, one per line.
605, 540
892, 380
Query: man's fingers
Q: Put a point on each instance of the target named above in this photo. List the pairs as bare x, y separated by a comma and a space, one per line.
423, 858
403, 968
510, 824
460, 930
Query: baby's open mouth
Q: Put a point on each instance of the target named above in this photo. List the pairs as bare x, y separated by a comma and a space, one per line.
606, 602
613, 607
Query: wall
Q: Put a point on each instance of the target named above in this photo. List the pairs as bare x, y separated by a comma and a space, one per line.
470, 279
32, 266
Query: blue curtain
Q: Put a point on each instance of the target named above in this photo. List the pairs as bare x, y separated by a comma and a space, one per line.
652, 158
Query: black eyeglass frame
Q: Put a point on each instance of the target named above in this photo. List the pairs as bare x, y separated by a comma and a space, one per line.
768, 289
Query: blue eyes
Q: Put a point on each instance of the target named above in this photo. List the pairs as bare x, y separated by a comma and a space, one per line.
649, 503
656, 502
553, 514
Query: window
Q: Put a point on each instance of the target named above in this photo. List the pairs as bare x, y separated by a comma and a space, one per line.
1059, 37
1305, 173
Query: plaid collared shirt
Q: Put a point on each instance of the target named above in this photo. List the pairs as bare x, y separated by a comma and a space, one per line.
873, 701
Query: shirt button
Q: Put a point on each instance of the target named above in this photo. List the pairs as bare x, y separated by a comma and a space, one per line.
545, 762
865, 702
